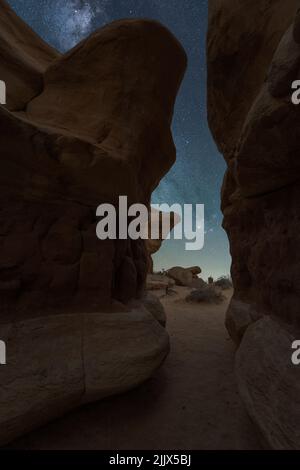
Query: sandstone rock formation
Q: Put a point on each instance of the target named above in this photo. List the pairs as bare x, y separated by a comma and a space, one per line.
158, 282
24, 57
86, 139
269, 383
79, 130
59, 362
155, 307
253, 57
186, 276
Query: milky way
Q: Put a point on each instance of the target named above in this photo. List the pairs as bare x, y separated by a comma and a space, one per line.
197, 175
75, 19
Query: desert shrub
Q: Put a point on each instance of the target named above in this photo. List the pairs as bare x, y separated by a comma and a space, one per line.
208, 294
223, 283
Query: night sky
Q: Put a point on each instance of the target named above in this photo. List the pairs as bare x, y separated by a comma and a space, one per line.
197, 175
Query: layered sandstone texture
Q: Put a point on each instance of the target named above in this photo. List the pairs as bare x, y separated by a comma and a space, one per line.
78, 130
253, 54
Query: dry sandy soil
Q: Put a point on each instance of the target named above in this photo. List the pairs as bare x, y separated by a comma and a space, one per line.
191, 402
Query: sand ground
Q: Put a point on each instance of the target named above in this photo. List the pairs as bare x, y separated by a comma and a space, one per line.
190, 403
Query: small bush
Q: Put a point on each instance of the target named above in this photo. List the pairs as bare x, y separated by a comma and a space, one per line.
223, 283
209, 294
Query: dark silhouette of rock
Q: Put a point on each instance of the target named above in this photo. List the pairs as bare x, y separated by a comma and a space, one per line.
79, 130
296, 29
253, 57
239, 316
24, 58
241, 42
98, 136
198, 283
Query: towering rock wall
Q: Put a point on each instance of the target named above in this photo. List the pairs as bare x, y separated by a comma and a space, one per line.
99, 128
253, 52
78, 130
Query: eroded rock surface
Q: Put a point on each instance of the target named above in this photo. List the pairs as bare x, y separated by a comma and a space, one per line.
158, 282
269, 383
99, 129
155, 307
24, 57
186, 276
59, 362
79, 130
253, 58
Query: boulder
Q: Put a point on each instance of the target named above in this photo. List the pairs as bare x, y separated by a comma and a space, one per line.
185, 276
195, 270
181, 276
239, 316
269, 383
155, 307
57, 363
157, 282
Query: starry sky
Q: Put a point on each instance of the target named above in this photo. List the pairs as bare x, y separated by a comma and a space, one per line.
197, 175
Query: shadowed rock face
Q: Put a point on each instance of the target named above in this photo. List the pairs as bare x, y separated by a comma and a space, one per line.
24, 57
253, 57
242, 38
79, 130
99, 128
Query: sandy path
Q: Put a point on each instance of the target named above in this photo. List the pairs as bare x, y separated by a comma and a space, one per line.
191, 402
